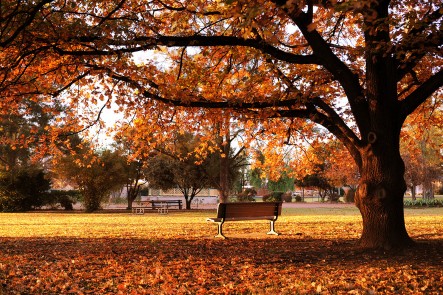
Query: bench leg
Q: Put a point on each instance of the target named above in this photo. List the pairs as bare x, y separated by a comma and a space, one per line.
138, 210
220, 230
272, 231
163, 210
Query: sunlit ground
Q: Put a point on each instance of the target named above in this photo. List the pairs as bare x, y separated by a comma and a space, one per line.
123, 253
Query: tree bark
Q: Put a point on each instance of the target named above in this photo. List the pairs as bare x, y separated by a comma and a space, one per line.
188, 203
225, 146
379, 198
132, 194
224, 180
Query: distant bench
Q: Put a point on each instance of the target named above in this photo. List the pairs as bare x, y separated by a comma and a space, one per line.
246, 211
158, 204
162, 206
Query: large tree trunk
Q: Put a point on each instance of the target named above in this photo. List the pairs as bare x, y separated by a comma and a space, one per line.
381, 189
379, 198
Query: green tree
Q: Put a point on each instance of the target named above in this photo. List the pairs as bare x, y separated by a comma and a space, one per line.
134, 169
23, 189
224, 168
21, 132
179, 167
97, 174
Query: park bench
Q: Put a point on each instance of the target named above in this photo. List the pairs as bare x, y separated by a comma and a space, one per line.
246, 211
163, 205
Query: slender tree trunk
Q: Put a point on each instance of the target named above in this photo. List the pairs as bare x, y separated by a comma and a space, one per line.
379, 198
225, 186
188, 203
132, 194
224, 180
413, 192
428, 190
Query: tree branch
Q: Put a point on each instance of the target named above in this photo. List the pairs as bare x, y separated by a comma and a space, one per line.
31, 16
432, 40
145, 43
419, 95
339, 130
333, 64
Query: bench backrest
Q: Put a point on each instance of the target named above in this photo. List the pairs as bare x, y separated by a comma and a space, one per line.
165, 201
249, 210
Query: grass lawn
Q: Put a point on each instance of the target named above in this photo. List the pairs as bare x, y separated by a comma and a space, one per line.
122, 253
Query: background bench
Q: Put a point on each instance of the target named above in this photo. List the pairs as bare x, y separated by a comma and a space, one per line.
246, 211
161, 204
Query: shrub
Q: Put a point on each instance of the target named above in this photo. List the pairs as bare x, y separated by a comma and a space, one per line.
23, 189
273, 197
65, 199
423, 203
333, 197
298, 198
247, 195
287, 197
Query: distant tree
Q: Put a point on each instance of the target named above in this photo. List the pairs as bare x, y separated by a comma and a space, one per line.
225, 169
135, 180
97, 174
23, 131
270, 170
135, 166
179, 166
421, 151
327, 160
325, 189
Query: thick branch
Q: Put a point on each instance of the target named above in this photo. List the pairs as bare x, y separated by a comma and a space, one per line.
337, 121
348, 80
202, 102
346, 136
414, 48
145, 43
418, 96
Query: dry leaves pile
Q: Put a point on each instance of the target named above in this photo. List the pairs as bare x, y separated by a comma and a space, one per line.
58, 253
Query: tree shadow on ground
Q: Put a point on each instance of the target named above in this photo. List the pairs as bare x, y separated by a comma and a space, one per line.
232, 266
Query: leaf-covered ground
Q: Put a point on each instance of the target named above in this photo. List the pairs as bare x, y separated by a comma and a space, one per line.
121, 253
